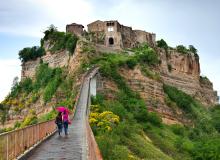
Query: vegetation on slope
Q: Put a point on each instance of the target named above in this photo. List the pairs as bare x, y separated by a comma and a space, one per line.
180, 48
48, 82
128, 138
203, 138
59, 40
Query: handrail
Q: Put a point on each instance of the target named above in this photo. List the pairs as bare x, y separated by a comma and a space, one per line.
93, 149
14, 143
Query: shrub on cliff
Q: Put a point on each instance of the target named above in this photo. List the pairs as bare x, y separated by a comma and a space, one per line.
131, 63
207, 148
25, 86
182, 49
31, 53
215, 112
52, 85
182, 100
59, 40
146, 55
192, 49
162, 44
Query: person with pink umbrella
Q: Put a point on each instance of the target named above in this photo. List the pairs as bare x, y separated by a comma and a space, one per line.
65, 121
65, 118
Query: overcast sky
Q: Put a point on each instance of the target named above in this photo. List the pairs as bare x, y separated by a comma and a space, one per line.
178, 22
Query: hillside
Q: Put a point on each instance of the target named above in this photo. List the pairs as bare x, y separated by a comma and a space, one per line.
151, 101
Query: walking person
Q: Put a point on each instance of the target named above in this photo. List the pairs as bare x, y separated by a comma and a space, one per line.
59, 122
65, 122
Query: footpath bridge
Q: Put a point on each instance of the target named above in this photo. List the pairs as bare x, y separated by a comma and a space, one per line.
42, 141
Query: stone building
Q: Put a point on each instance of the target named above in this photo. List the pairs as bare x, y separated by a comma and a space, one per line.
75, 28
113, 34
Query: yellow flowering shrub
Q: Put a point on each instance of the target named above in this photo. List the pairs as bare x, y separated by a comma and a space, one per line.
102, 121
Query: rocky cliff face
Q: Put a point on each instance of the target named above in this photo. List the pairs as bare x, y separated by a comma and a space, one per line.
183, 72
59, 59
176, 69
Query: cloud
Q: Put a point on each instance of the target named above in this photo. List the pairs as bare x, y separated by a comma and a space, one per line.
178, 22
30, 18
10, 68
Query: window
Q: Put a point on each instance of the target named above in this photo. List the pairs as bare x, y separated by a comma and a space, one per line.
110, 24
110, 29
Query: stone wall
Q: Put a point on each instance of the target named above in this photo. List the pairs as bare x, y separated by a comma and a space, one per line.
59, 59
74, 28
124, 36
96, 26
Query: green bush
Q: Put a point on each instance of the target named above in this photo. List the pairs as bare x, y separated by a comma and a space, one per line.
52, 85
178, 129
43, 75
154, 119
182, 49
107, 143
204, 80
208, 148
183, 144
17, 124
131, 63
162, 44
120, 152
30, 119
60, 40
32, 53
193, 50
146, 55
215, 112
25, 85
182, 100
48, 116
150, 73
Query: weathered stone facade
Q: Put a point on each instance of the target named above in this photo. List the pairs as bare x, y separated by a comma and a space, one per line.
75, 28
113, 34
185, 75
59, 59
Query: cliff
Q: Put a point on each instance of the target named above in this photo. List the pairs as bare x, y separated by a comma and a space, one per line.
184, 74
175, 69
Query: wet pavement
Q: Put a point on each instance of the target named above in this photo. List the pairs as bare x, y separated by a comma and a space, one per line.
70, 147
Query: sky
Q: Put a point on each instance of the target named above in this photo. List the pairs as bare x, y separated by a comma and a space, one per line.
187, 22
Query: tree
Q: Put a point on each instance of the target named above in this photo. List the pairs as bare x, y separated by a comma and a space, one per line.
51, 29
193, 50
31, 53
162, 44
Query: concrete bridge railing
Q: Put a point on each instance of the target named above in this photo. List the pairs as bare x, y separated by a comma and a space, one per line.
14, 143
93, 150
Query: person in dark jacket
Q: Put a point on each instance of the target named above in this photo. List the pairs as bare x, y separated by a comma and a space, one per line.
59, 122
65, 122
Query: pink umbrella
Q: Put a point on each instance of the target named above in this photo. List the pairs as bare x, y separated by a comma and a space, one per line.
62, 109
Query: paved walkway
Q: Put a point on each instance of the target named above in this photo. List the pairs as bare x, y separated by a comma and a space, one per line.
73, 146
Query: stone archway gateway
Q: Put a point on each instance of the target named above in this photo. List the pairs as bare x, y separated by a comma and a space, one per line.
111, 41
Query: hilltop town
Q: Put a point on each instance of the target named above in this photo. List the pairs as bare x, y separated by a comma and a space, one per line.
142, 98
